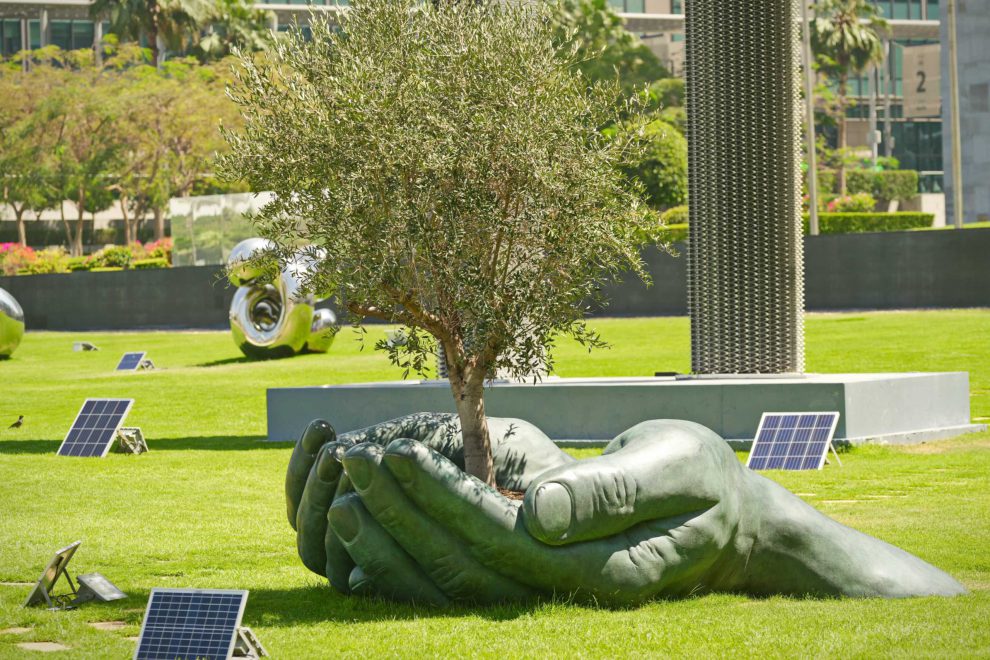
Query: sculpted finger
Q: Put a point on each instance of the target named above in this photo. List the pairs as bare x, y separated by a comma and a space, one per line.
623, 569
318, 433
443, 556
311, 516
339, 562
655, 470
382, 561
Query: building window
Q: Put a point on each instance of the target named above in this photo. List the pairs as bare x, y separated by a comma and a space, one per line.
10, 36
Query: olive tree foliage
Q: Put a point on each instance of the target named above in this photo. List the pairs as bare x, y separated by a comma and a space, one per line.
446, 161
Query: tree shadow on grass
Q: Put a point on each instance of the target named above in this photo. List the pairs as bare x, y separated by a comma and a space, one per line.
220, 363
314, 604
202, 443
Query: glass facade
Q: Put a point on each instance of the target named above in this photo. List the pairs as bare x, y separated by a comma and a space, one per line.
10, 36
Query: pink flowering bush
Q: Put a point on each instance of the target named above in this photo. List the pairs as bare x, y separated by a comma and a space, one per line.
14, 257
858, 203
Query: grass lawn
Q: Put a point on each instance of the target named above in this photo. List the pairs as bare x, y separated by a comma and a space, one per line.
205, 508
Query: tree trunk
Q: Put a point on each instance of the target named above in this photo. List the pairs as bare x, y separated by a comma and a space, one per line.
76, 249
159, 223
155, 11
65, 224
843, 89
21, 229
468, 388
128, 233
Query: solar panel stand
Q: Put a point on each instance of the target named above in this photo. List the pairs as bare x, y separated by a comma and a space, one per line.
44, 588
248, 645
831, 446
146, 365
60, 601
129, 440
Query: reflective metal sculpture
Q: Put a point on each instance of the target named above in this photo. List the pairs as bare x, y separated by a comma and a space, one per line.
273, 317
745, 266
11, 324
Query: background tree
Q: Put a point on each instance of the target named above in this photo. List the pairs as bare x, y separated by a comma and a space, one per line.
449, 161
603, 49
165, 24
235, 24
846, 37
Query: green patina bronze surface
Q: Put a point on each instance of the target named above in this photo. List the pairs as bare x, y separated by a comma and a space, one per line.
666, 511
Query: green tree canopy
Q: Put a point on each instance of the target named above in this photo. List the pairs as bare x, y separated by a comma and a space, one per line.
846, 37
445, 164
603, 49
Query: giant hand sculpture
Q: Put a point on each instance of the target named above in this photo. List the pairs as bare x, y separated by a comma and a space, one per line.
667, 510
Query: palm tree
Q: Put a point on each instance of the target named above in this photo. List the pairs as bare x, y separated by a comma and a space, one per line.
847, 37
164, 23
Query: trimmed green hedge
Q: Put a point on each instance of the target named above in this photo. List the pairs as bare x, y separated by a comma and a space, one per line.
885, 186
675, 233
677, 215
139, 264
857, 223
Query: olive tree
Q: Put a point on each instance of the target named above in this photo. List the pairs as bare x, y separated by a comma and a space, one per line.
445, 163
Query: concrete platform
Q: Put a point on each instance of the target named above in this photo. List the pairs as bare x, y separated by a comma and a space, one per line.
886, 408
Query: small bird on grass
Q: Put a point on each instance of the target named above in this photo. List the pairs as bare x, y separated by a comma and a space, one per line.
17, 424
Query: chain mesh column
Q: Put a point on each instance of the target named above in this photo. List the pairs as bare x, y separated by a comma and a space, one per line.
745, 265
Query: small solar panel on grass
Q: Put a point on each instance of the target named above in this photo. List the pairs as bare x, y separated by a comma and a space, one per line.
191, 623
792, 441
95, 427
130, 361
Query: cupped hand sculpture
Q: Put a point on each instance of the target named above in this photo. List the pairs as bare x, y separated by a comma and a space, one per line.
667, 510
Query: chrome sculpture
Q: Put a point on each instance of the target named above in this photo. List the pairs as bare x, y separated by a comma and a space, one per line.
11, 324
274, 318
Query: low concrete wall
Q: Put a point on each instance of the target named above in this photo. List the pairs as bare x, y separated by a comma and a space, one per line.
898, 270
196, 297
893, 270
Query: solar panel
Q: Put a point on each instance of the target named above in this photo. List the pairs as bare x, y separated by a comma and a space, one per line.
130, 361
792, 441
191, 623
42, 591
95, 427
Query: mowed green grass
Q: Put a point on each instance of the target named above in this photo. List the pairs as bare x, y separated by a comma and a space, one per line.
205, 508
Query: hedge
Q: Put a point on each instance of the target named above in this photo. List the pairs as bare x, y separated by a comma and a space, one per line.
857, 223
675, 233
887, 185
140, 264
677, 215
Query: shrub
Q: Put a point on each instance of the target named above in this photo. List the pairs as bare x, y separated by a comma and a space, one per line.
105, 269
113, 256
661, 167
675, 233
858, 203
77, 263
854, 223
14, 257
54, 260
160, 249
677, 215
143, 264
886, 186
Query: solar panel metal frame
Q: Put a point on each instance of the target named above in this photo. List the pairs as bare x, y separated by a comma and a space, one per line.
43, 588
113, 436
137, 365
828, 442
243, 593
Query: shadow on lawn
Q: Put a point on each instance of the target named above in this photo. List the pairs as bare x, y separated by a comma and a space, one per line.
220, 363
205, 443
267, 607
